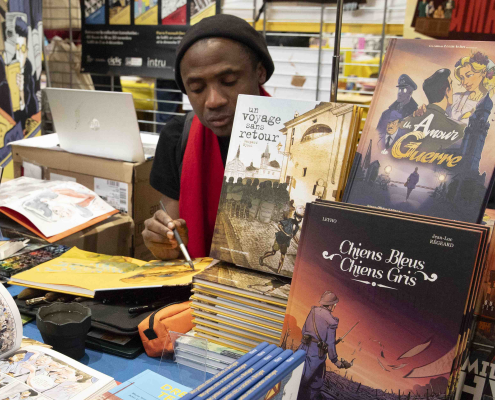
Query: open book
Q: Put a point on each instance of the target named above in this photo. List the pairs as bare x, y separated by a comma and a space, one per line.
52, 209
35, 372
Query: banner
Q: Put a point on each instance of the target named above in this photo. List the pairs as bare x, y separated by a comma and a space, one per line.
450, 19
137, 37
21, 36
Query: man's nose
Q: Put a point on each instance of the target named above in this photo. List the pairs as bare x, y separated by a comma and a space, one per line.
215, 98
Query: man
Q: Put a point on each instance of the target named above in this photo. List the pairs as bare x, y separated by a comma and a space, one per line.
288, 229
404, 105
318, 341
25, 79
411, 182
218, 59
388, 139
433, 117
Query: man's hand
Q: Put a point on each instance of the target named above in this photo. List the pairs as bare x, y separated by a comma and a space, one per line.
343, 364
420, 111
159, 237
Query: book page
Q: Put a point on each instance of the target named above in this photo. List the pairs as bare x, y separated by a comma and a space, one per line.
10, 324
48, 375
52, 206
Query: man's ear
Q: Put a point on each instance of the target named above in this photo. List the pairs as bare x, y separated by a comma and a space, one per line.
261, 73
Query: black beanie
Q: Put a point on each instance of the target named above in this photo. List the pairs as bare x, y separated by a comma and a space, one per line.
229, 27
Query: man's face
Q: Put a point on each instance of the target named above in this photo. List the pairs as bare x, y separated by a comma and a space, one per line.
392, 127
215, 71
21, 50
404, 94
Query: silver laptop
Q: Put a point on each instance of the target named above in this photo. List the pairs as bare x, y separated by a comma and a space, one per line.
96, 123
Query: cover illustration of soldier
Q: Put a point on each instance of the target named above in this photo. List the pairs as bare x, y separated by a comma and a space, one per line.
428, 143
282, 154
370, 310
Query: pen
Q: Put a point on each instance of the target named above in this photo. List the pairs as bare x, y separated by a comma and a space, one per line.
179, 240
149, 307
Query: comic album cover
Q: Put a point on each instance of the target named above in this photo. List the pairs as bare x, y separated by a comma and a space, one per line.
378, 315
428, 146
282, 154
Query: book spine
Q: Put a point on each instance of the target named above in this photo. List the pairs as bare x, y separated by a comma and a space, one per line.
275, 376
239, 370
224, 372
257, 376
245, 375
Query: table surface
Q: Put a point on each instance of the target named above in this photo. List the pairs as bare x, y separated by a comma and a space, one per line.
122, 369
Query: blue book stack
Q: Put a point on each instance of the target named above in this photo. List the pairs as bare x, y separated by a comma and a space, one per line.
265, 369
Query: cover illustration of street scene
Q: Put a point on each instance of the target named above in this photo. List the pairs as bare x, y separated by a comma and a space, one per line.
370, 310
282, 154
428, 144
21, 38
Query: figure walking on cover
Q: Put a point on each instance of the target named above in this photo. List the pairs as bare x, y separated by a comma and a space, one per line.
319, 339
288, 229
411, 182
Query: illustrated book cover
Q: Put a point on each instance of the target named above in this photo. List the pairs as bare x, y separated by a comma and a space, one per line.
37, 372
229, 279
282, 154
428, 145
371, 310
83, 273
52, 209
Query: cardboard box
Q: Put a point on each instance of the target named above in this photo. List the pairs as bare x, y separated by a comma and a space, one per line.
112, 236
124, 185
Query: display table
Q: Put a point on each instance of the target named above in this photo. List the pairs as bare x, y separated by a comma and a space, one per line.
117, 367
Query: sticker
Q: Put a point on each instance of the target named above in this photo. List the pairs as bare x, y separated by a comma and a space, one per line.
113, 192
58, 177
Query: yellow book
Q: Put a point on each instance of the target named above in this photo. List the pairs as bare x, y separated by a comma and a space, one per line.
12, 71
84, 273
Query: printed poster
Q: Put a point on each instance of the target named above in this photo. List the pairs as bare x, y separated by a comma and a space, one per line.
137, 37
21, 38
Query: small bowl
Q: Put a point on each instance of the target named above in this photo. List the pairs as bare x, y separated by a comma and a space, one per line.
64, 326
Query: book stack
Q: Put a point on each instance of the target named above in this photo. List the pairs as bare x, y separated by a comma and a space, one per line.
393, 296
201, 354
266, 370
238, 308
282, 154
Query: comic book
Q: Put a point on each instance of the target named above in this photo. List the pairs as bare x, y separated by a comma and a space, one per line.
382, 315
68, 273
52, 209
282, 154
37, 372
428, 145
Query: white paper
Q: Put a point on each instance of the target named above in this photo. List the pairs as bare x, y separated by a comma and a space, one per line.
52, 206
32, 170
58, 177
113, 192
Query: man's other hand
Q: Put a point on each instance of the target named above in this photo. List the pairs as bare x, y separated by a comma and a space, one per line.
159, 237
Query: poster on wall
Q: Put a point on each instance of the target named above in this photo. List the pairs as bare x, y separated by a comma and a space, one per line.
21, 36
137, 37
450, 19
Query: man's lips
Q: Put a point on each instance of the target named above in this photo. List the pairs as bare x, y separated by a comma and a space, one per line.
220, 121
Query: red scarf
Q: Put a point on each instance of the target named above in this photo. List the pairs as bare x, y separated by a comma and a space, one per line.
200, 186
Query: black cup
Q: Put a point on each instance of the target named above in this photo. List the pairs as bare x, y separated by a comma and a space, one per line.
64, 326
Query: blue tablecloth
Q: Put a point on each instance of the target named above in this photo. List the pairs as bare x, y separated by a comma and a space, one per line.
122, 369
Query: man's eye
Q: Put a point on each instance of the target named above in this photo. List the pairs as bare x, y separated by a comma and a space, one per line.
230, 82
197, 88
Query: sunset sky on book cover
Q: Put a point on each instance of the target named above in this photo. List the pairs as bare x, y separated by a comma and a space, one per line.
452, 144
404, 321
